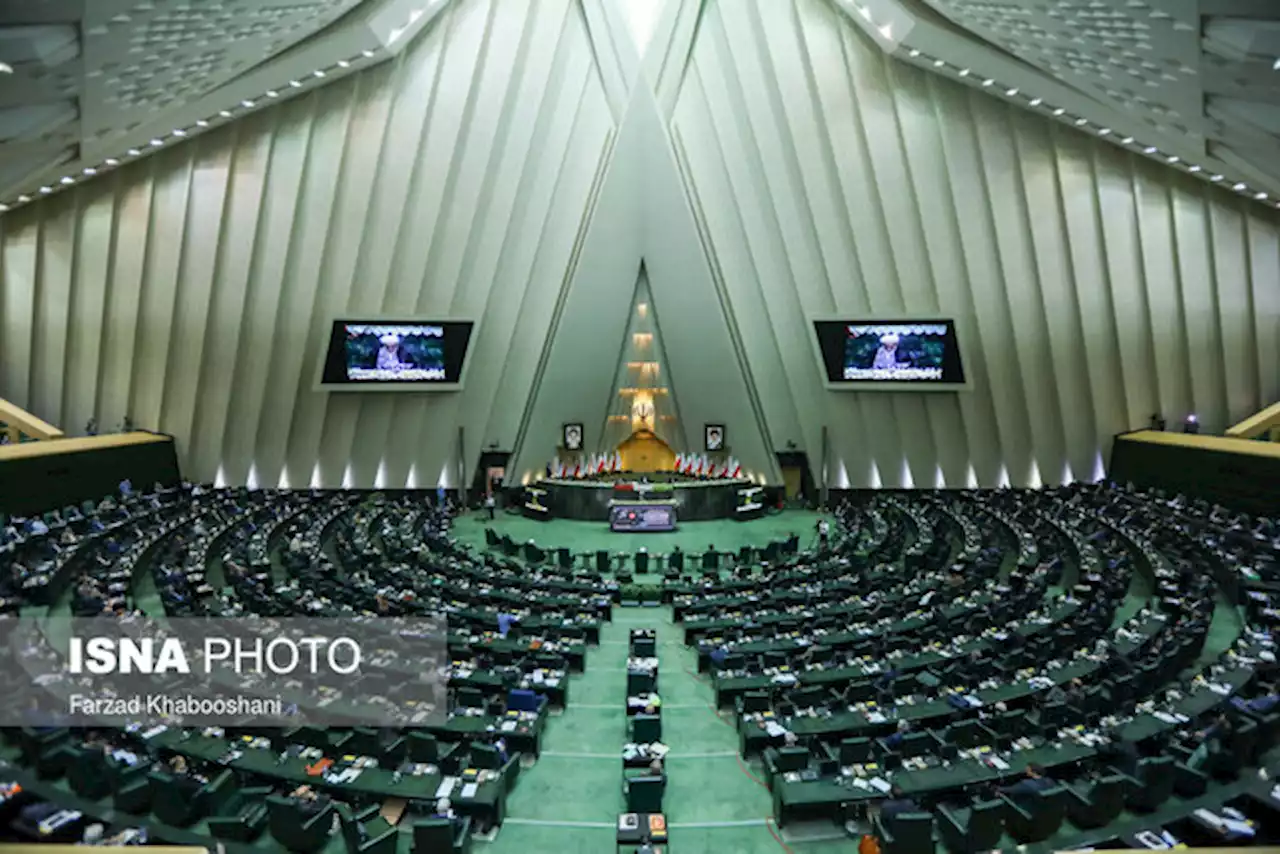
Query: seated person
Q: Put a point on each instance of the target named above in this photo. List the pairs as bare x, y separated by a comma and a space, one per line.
309, 800
892, 741
1036, 781
1213, 741
897, 804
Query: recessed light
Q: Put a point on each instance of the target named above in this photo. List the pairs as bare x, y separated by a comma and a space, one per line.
1275, 66
226, 114
988, 82
1173, 158
368, 54
1239, 186
133, 152
1104, 131
272, 93
1011, 92
1059, 111
157, 142
938, 63
179, 132
1259, 196
6, 68
89, 170
964, 72
1215, 178
247, 104
67, 179
1128, 140
1081, 122
1150, 149
914, 53
342, 63
3, 207
24, 199
1195, 168
111, 161
1035, 102
295, 84
46, 190
318, 72
202, 123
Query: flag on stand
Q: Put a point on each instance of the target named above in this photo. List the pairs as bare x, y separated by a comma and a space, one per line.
735, 468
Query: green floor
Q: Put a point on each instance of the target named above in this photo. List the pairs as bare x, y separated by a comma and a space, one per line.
724, 534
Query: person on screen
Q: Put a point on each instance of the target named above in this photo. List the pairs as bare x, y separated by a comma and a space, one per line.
887, 356
389, 354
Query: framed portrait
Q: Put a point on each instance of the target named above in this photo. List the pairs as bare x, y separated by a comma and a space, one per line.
572, 436
713, 435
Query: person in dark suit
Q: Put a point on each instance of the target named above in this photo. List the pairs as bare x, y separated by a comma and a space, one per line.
897, 804
1025, 790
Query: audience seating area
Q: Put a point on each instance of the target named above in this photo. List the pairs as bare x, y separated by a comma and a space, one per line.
1081, 665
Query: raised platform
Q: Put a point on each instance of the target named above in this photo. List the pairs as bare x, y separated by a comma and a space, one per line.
592, 500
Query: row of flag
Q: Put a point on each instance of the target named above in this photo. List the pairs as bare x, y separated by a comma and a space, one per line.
695, 465
699, 465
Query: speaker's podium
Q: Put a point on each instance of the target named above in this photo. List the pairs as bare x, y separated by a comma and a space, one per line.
645, 831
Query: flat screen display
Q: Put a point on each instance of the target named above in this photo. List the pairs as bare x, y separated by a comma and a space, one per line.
396, 354
642, 517
906, 354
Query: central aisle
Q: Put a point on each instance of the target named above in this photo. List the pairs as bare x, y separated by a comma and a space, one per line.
570, 800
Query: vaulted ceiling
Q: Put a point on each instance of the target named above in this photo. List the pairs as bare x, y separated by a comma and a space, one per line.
86, 85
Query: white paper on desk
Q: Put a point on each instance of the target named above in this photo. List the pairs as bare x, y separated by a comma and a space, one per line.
1240, 827
860, 783
999, 763
153, 732
1166, 717
470, 789
880, 785
774, 729
1219, 688
445, 789
1209, 817
508, 726
876, 718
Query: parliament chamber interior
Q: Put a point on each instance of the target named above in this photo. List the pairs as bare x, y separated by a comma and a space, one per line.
509, 426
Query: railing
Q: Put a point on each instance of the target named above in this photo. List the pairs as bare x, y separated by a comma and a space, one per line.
18, 425
1265, 424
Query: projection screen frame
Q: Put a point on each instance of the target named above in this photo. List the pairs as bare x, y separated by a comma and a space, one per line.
421, 387
959, 324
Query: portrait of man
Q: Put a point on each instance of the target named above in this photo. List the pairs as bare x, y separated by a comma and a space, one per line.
715, 437
573, 437
389, 357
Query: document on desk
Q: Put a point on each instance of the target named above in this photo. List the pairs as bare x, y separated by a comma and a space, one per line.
880, 785
774, 729
445, 789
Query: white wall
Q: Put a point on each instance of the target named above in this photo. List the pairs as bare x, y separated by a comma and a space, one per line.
191, 290
1096, 287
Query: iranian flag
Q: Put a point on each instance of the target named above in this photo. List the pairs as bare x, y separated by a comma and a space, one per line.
735, 468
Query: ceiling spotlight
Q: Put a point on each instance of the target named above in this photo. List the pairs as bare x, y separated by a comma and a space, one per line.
342, 63
226, 114
157, 142
1195, 168
1128, 140
988, 82
1104, 131
1150, 149
1173, 158
1191, 424
1059, 111
111, 161
247, 104
3, 207
46, 190
914, 53
202, 123
886, 30
1240, 186
295, 84
1259, 196
179, 132
1011, 92
272, 93
1035, 102
1275, 66
133, 152
1215, 178
1081, 122
368, 54
938, 63
862, 10
67, 179
24, 199
318, 72
89, 170
6, 68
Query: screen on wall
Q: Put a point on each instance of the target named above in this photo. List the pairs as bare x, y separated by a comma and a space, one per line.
900, 354
393, 355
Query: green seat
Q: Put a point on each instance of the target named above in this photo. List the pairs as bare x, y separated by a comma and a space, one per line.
178, 804
442, 836
89, 773
243, 817
366, 832
295, 828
